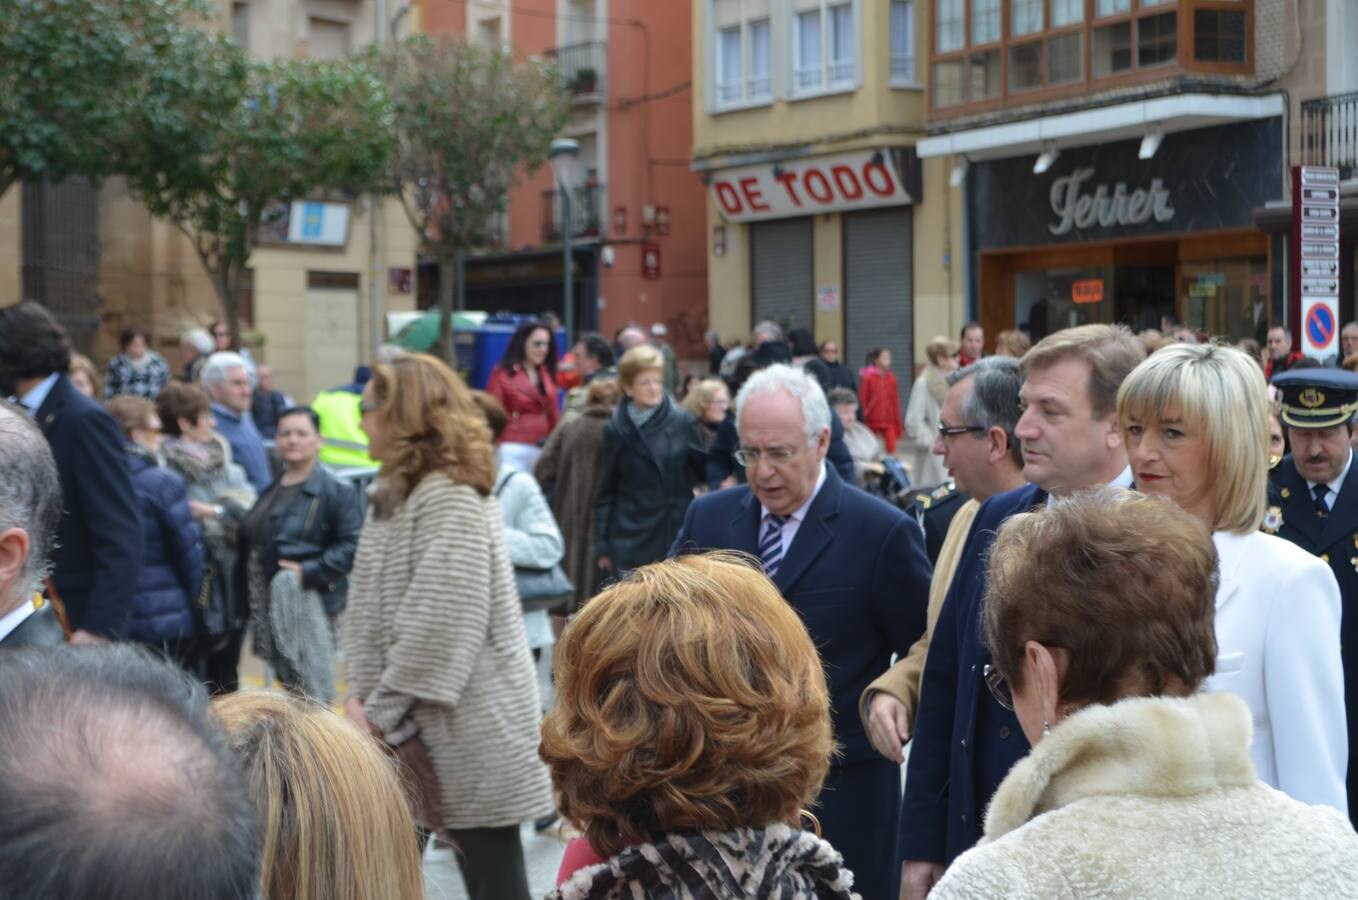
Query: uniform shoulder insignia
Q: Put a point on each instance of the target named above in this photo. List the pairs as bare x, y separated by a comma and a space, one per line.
924, 501
1273, 462
944, 491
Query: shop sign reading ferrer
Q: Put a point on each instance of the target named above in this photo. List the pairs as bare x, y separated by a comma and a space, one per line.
807, 187
1076, 206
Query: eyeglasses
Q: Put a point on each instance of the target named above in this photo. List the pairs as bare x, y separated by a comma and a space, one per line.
366, 407
221, 334
539, 343
946, 430
647, 382
999, 688
775, 455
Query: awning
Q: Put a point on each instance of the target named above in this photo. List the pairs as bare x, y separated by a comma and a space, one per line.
1118, 122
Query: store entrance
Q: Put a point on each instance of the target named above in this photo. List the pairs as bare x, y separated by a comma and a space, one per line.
1138, 296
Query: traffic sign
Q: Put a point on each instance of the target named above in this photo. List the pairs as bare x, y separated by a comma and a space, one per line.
1314, 283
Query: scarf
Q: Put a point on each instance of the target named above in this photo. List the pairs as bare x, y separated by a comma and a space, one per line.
195, 462
640, 416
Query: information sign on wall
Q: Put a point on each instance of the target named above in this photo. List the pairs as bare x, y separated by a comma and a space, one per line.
1315, 260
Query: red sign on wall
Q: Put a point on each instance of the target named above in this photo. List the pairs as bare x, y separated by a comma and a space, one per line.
650, 260
1088, 290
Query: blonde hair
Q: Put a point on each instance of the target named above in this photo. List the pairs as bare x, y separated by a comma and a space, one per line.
432, 425
333, 817
939, 349
81, 363
702, 394
689, 696
130, 412
638, 360
1013, 342
1221, 390
1111, 351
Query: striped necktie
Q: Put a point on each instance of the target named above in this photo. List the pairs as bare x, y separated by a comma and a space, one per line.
771, 544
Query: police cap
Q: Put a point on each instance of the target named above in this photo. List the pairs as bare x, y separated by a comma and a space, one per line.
1317, 398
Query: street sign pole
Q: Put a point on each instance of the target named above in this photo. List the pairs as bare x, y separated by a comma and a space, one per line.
1313, 295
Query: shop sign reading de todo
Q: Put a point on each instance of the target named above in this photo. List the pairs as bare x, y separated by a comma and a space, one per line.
808, 187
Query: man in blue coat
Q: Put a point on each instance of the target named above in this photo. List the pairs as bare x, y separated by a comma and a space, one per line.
99, 544
852, 566
965, 742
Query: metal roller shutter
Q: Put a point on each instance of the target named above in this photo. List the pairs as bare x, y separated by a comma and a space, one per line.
878, 290
781, 272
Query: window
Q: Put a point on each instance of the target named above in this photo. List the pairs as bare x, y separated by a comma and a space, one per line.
841, 45
948, 83
728, 66
808, 74
902, 42
1067, 12
1157, 39
327, 39
761, 83
985, 75
1025, 17
240, 25
1111, 7
950, 30
1219, 36
1065, 58
1112, 49
985, 21
1025, 66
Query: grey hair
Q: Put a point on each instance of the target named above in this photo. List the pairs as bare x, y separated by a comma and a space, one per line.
199, 340
801, 386
219, 364
994, 398
769, 331
388, 353
30, 492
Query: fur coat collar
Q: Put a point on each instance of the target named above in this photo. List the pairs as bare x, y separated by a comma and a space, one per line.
775, 862
1147, 746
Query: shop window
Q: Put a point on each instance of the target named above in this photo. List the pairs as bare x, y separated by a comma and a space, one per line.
760, 82
950, 28
1112, 49
985, 21
1218, 36
1157, 39
1067, 12
1065, 58
985, 75
728, 66
1025, 66
1111, 7
948, 83
1025, 17
1227, 297
902, 42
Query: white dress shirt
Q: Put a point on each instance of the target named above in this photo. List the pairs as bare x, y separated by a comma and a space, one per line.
794, 521
1124, 480
1335, 485
15, 618
34, 399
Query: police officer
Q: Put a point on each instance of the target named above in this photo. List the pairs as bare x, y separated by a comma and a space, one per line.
1313, 502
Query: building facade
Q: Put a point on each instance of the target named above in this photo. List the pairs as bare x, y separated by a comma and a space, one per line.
821, 215
637, 211
101, 262
1115, 155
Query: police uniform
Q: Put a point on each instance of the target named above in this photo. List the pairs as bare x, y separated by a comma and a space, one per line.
935, 510
1324, 398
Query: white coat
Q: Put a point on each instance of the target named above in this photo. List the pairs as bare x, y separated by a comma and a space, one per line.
1277, 626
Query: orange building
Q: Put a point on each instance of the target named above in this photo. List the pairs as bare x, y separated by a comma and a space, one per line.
639, 213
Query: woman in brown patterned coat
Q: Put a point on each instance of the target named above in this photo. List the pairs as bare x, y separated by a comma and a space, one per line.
568, 471
436, 651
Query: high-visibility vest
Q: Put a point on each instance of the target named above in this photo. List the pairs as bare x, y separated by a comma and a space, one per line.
343, 442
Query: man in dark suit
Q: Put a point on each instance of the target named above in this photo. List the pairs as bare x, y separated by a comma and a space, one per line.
30, 508
99, 548
965, 742
1313, 502
854, 569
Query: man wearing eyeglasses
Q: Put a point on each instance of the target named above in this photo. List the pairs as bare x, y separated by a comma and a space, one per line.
965, 742
855, 570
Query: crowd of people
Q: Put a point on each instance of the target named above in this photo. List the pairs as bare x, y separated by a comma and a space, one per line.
1113, 602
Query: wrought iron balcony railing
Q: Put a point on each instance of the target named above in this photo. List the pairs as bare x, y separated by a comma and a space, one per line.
1329, 133
582, 65
585, 214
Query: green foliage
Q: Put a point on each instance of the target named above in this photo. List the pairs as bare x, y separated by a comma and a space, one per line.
70, 71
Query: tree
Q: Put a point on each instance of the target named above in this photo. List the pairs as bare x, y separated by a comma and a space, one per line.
70, 72
220, 144
468, 122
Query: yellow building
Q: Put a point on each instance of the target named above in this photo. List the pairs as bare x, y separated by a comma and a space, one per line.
821, 215
100, 261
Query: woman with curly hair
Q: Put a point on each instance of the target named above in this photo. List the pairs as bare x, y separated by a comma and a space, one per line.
690, 732
437, 656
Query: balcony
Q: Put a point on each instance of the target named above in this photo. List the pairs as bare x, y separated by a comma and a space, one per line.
582, 67
1329, 133
585, 216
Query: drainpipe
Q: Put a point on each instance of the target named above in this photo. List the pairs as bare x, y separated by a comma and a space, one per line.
374, 209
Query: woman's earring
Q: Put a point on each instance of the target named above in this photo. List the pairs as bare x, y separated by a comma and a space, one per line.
1046, 727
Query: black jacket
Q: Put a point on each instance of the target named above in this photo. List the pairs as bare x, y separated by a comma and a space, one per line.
171, 569
318, 528
99, 540
646, 482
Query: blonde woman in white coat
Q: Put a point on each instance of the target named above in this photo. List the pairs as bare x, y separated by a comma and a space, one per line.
923, 411
1138, 783
1195, 424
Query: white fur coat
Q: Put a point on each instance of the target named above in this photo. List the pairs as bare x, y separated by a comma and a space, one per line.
1152, 797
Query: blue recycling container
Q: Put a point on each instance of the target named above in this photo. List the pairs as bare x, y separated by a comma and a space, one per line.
486, 345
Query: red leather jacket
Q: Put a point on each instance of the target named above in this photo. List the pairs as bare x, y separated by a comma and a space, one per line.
880, 399
532, 411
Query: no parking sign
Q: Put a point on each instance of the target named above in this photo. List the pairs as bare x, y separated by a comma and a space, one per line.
1320, 329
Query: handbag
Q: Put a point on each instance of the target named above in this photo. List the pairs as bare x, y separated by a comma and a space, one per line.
541, 589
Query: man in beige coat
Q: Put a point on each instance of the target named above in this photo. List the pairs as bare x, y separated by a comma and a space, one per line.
977, 443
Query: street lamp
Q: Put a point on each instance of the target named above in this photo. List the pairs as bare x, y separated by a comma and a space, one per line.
564, 155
